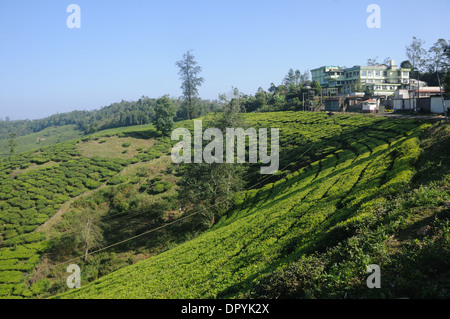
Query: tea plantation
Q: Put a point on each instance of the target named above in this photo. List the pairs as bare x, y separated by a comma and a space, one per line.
35, 185
353, 190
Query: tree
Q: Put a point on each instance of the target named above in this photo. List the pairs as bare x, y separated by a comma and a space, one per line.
88, 231
304, 77
298, 77
316, 86
406, 65
165, 111
209, 187
437, 60
416, 55
12, 144
370, 90
290, 78
387, 61
235, 104
190, 82
358, 86
371, 62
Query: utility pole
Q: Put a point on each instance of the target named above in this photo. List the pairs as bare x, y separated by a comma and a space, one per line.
303, 103
442, 96
446, 52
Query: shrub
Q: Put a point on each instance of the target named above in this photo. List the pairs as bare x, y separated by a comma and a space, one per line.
161, 187
117, 180
10, 276
92, 184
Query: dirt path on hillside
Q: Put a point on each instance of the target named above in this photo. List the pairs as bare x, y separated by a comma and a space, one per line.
56, 218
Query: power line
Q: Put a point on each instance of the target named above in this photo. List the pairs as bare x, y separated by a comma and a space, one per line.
141, 212
168, 224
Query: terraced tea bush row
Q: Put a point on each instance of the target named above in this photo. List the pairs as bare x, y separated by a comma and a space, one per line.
284, 220
33, 186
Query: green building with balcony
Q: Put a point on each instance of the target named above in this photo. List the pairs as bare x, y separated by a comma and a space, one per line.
379, 79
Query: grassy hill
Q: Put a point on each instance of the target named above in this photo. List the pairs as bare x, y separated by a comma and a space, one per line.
46, 137
314, 232
352, 190
46, 192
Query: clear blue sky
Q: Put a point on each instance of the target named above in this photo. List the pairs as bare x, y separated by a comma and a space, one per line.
126, 49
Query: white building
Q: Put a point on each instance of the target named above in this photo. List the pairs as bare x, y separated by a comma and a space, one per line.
369, 106
407, 99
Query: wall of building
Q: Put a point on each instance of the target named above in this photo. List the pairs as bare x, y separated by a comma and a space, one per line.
385, 79
436, 104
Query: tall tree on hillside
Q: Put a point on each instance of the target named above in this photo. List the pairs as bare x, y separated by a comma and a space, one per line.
298, 77
88, 231
208, 188
437, 60
316, 86
290, 78
12, 144
304, 77
190, 82
165, 111
416, 55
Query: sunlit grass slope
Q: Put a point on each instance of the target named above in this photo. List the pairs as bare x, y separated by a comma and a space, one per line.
46, 137
342, 167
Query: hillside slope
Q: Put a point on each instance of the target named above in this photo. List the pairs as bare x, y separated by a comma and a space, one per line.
46, 193
46, 137
350, 201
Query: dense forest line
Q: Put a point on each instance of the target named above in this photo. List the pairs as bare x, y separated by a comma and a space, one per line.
121, 114
293, 94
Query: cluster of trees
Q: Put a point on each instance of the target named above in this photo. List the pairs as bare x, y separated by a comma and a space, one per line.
24, 127
124, 113
143, 111
294, 93
208, 188
431, 65
432, 60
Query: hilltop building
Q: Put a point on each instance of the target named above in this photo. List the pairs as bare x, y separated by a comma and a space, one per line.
381, 79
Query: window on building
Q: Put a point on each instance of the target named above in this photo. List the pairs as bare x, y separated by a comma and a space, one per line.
377, 73
369, 73
363, 73
370, 81
385, 73
405, 81
405, 74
